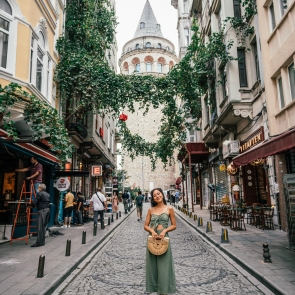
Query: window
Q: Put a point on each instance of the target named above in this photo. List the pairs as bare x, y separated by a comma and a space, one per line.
256, 59
137, 46
219, 17
224, 83
159, 45
148, 45
185, 6
186, 37
281, 93
158, 26
242, 67
148, 67
237, 9
160, 68
32, 58
4, 5
39, 69
4, 36
291, 71
272, 17
284, 6
112, 143
109, 137
191, 136
142, 25
137, 68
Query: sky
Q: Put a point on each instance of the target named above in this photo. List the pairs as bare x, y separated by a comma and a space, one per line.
129, 13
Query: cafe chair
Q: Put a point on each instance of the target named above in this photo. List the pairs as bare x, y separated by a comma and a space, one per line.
268, 217
238, 219
257, 214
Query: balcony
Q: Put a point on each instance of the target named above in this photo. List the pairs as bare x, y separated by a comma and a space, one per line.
77, 129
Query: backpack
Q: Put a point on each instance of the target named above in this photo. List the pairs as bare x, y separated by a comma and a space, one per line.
139, 201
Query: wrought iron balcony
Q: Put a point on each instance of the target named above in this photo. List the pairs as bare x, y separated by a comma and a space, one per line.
76, 127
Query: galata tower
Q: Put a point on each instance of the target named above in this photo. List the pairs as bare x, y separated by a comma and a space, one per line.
148, 53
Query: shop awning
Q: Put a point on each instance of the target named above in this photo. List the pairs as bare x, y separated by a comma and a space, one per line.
27, 149
274, 146
197, 150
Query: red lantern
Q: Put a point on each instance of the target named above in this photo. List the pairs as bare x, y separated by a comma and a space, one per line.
123, 117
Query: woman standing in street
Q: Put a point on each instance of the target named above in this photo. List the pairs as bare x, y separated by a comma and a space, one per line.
160, 274
115, 203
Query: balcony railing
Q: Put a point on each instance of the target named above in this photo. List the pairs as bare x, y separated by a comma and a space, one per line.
152, 46
76, 125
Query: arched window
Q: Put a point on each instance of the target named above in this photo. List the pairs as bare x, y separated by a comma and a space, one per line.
142, 25
40, 61
159, 45
148, 67
148, 45
160, 68
5, 6
137, 68
4, 33
158, 26
137, 46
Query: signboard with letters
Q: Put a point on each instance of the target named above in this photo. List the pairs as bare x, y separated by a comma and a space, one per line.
96, 170
62, 184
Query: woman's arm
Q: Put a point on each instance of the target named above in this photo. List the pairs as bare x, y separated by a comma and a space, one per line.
173, 223
147, 222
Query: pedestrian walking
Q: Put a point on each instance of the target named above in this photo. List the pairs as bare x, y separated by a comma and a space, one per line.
139, 203
125, 198
68, 210
99, 203
115, 203
80, 208
36, 172
177, 197
160, 274
42, 203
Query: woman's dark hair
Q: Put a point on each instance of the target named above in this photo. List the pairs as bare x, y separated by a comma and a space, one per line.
153, 203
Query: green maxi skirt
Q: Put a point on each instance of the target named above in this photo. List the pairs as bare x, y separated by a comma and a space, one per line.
160, 274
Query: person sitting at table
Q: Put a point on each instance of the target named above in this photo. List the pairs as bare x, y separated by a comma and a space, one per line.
225, 199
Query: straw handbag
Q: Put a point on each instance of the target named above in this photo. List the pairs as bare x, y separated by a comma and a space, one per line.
157, 246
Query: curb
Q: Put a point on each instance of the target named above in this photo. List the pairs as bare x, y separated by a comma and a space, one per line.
241, 263
56, 283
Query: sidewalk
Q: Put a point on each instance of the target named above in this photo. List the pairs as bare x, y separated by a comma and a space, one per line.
19, 262
245, 248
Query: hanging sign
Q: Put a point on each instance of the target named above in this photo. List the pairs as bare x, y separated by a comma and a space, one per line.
62, 184
96, 170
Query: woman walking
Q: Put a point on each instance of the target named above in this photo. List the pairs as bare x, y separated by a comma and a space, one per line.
160, 274
115, 203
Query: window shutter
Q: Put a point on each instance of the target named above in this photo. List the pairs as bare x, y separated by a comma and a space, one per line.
242, 67
237, 9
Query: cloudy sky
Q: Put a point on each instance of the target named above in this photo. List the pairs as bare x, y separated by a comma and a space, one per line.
129, 13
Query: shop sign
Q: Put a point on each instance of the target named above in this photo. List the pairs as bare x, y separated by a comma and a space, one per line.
96, 170
254, 139
62, 184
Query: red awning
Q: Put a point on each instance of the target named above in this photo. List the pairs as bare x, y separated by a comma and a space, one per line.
274, 146
197, 150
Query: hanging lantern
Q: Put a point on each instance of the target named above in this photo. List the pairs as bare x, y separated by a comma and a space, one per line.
258, 162
123, 117
231, 170
222, 167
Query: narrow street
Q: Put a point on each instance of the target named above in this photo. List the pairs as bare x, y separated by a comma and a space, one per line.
119, 267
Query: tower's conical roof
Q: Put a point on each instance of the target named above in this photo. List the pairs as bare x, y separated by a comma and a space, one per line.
148, 25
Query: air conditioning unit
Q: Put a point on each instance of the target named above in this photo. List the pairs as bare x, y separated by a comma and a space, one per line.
231, 149
234, 147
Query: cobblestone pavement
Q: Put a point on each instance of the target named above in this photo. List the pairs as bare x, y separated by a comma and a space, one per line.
119, 268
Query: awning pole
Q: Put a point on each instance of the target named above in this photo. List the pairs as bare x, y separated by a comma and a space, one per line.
200, 187
191, 179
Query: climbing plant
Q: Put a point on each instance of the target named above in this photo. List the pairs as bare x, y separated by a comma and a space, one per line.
87, 82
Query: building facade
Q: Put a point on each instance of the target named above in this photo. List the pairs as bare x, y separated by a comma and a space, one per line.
29, 31
148, 53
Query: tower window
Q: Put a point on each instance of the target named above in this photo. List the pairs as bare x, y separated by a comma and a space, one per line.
142, 25
148, 45
137, 68
137, 46
149, 67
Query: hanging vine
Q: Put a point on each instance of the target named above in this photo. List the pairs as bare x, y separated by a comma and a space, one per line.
87, 82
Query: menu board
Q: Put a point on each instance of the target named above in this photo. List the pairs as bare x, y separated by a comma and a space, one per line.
289, 183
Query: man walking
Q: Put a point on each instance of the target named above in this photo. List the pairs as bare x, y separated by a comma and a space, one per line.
139, 203
125, 198
42, 203
69, 206
98, 201
36, 171
177, 197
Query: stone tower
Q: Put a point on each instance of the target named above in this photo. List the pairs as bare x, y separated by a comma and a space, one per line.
148, 53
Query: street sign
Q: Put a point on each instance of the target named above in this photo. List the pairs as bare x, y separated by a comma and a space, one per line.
62, 184
96, 170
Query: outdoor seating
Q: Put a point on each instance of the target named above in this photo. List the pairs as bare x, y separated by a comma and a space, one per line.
268, 217
238, 219
225, 215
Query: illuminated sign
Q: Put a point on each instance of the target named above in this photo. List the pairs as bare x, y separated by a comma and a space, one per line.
96, 170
